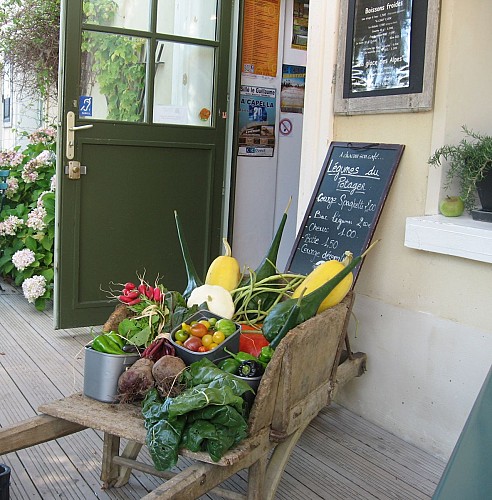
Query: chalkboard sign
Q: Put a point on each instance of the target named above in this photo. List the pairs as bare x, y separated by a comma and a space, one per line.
346, 204
385, 47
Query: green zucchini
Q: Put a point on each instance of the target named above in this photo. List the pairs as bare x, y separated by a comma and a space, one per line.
309, 304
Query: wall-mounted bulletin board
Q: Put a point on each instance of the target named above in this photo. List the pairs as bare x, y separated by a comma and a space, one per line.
346, 204
386, 56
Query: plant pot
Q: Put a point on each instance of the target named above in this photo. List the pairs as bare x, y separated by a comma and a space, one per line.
4, 482
102, 371
484, 189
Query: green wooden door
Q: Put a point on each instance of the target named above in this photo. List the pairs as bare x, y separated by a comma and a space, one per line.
144, 93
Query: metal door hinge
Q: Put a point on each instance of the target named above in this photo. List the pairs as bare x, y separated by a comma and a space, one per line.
74, 170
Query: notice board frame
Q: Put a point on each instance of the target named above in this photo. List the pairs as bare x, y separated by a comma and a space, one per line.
363, 159
388, 101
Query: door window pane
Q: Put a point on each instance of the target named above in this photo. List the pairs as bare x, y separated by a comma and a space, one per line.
112, 81
131, 14
183, 86
191, 18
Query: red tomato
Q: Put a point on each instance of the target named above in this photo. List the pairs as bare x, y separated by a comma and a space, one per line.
202, 348
193, 344
199, 330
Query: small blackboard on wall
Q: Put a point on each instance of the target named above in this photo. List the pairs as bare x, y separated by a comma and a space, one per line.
346, 204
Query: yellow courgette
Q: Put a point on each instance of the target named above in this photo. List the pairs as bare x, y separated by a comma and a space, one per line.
224, 270
323, 273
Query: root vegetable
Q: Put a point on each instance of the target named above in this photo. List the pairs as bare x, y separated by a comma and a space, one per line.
166, 372
117, 316
135, 382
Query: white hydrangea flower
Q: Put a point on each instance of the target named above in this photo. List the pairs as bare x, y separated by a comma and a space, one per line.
53, 183
12, 187
10, 225
35, 219
10, 158
34, 287
23, 258
44, 157
40, 203
29, 173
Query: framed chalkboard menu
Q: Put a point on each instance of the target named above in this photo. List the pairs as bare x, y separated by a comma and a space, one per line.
386, 55
346, 204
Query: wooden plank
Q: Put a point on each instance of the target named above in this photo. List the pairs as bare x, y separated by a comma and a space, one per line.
34, 431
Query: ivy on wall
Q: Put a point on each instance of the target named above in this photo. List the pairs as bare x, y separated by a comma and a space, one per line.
113, 63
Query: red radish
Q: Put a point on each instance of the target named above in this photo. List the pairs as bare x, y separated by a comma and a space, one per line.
149, 292
130, 286
157, 294
125, 299
134, 301
142, 288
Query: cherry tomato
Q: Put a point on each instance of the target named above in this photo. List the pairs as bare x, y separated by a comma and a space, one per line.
186, 327
218, 337
193, 344
199, 330
181, 335
213, 345
202, 348
205, 322
207, 340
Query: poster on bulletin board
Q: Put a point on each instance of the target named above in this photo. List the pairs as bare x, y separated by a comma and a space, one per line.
260, 37
257, 121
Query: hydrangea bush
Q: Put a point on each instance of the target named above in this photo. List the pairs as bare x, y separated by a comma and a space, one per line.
27, 220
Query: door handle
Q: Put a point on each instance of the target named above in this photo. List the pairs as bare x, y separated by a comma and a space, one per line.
71, 129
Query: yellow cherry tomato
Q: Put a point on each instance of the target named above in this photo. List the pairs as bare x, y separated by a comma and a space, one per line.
186, 327
206, 323
218, 337
213, 345
207, 340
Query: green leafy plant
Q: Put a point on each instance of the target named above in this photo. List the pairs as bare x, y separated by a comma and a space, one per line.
29, 42
27, 220
470, 160
114, 62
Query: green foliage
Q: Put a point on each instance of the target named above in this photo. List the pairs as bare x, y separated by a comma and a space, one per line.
469, 161
115, 63
27, 220
29, 41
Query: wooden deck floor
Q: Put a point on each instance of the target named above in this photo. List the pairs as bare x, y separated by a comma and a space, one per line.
339, 456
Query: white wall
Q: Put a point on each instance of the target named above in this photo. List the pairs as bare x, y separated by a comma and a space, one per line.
423, 318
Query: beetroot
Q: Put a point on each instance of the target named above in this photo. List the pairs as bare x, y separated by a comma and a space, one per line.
135, 382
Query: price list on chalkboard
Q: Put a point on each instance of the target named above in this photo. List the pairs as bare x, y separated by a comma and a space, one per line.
346, 204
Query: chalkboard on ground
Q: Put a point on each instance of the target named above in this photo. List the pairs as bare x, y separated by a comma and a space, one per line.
346, 204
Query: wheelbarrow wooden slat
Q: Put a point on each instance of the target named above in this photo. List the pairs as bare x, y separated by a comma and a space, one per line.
300, 380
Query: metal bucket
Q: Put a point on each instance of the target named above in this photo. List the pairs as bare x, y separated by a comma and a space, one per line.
102, 371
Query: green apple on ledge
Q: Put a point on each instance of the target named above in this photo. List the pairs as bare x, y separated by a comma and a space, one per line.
452, 206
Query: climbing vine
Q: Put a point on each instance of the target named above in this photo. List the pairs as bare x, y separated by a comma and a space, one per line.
114, 63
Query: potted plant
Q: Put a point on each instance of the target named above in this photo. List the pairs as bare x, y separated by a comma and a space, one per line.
470, 161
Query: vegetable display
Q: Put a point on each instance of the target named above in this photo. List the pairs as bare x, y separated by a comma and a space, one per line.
203, 406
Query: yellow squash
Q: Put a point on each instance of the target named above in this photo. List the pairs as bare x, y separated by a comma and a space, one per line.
323, 273
224, 270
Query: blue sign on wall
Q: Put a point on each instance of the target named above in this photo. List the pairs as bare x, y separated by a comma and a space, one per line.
85, 105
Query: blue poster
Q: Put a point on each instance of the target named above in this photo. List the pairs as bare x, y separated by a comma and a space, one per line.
257, 117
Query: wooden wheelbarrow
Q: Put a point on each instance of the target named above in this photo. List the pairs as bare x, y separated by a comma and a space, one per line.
301, 379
